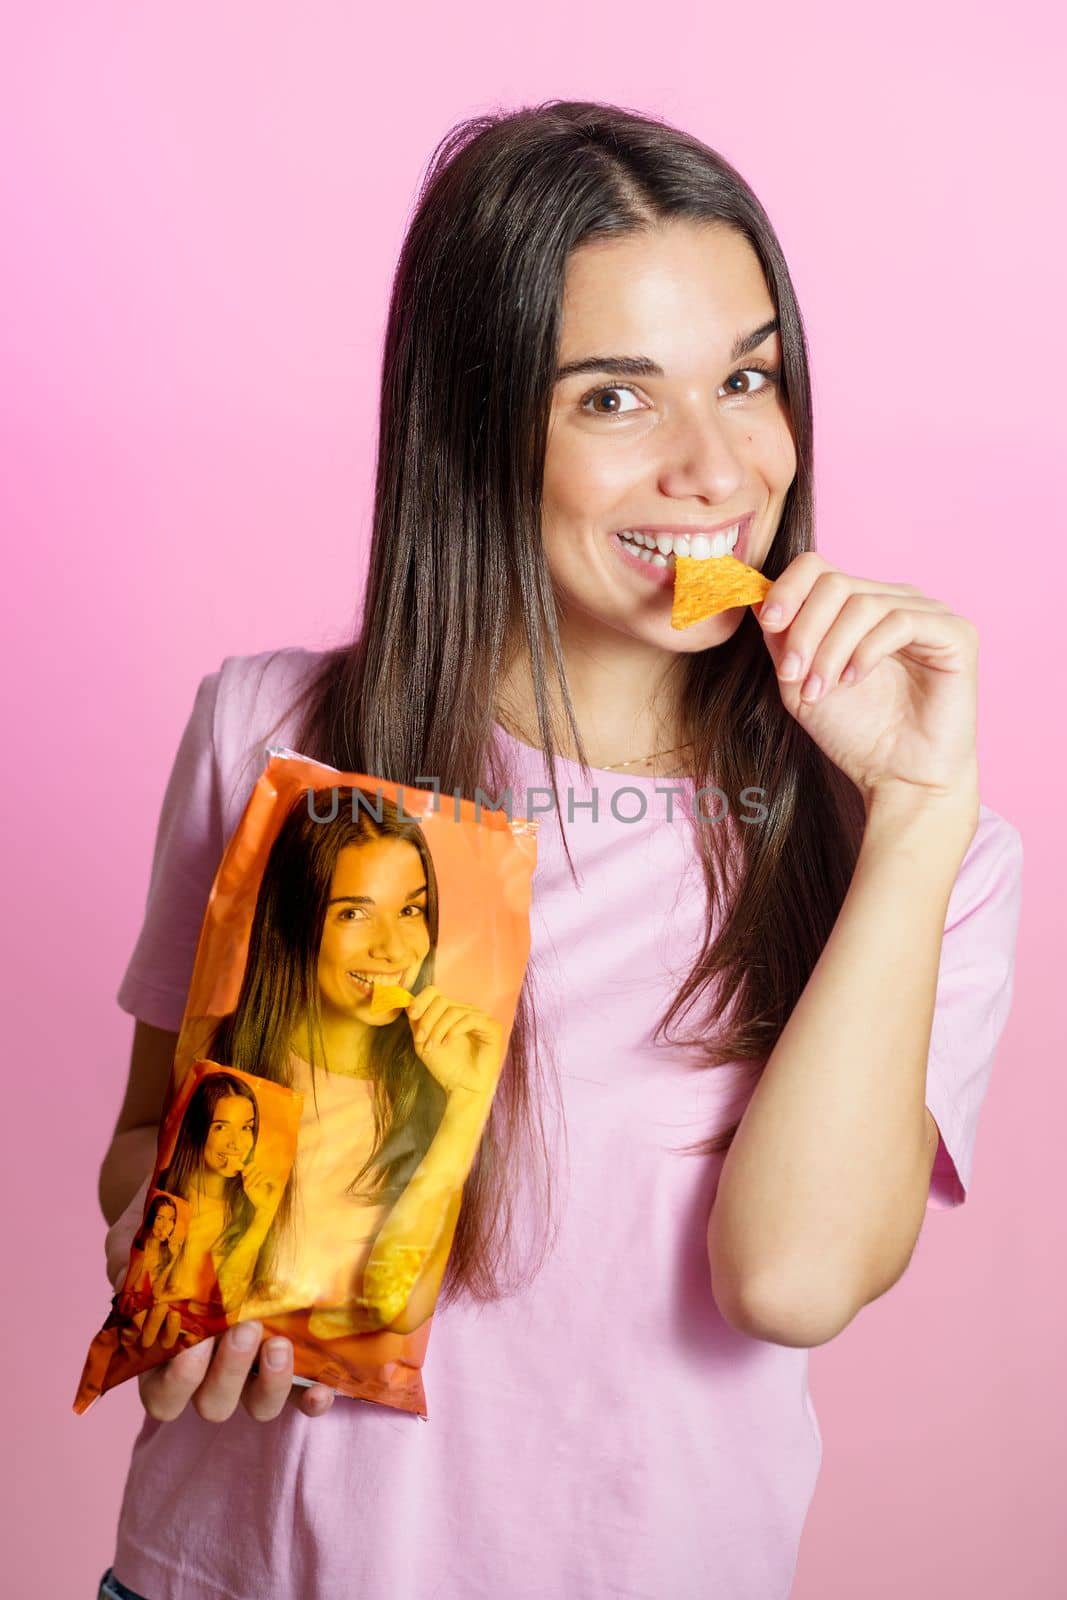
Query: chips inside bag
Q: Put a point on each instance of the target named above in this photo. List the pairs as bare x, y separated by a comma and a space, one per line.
315, 1137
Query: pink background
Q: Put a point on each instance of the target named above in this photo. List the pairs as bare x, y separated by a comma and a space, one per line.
202, 207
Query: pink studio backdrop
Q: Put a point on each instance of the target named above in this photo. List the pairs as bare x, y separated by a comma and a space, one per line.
202, 210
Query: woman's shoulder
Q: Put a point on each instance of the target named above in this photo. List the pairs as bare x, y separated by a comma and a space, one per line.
259, 688
256, 707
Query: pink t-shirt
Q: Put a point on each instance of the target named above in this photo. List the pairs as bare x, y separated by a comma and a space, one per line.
603, 1432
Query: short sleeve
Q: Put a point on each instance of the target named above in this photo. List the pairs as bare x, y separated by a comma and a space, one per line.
974, 989
188, 849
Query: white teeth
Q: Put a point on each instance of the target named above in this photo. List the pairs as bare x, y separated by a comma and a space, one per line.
702, 546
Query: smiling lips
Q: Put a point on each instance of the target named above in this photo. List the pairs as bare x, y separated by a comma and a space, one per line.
368, 980
658, 548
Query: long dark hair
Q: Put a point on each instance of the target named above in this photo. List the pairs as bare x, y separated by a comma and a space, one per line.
280, 987
186, 1164
457, 572
141, 1238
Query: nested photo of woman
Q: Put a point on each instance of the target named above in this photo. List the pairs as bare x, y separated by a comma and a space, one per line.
231, 1201
348, 903
151, 1258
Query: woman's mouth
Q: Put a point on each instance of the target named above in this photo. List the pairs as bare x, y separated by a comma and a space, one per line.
365, 981
654, 553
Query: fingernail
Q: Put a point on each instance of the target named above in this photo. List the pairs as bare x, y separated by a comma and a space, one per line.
790, 667
276, 1354
770, 614
812, 688
245, 1335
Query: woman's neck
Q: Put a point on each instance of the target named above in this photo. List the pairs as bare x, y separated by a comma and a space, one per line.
626, 698
345, 1046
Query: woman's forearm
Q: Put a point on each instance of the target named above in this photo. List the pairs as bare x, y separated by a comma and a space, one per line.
408, 1238
442, 1170
234, 1271
823, 1191
130, 1158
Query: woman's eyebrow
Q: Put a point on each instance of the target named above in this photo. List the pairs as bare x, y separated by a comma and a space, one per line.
644, 367
365, 899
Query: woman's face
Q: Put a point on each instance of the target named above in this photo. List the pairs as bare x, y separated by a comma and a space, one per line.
702, 444
375, 929
163, 1226
230, 1136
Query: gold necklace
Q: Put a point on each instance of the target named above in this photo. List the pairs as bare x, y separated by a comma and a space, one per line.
613, 766
635, 761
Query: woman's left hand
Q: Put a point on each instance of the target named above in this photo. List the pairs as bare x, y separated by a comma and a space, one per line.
462, 1047
904, 726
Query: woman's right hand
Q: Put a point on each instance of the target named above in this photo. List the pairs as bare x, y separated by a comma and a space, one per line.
261, 1187
462, 1047
214, 1375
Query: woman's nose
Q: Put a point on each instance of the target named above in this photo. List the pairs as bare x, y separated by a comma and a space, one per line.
387, 944
701, 458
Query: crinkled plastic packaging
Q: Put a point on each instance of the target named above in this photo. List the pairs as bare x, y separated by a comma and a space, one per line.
346, 1026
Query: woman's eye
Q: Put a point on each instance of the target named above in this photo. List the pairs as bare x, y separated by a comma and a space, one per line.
766, 379
350, 911
595, 394
416, 911
746, 381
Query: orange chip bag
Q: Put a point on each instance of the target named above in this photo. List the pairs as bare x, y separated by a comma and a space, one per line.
300, 1106
704, 587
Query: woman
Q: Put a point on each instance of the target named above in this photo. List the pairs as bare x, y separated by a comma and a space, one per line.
594, 350
231, 1201
150, 1261
349, 899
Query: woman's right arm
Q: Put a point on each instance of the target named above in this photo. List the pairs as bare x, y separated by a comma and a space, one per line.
214, 1373
131, 1154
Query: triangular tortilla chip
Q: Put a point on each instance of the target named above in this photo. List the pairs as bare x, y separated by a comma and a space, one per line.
387, 996
703, 588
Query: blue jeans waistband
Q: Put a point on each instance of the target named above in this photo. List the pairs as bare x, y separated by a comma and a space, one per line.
112, 1589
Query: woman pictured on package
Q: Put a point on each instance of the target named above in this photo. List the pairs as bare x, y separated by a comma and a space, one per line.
749, 1054
349, 901
231, 1203
148, 1270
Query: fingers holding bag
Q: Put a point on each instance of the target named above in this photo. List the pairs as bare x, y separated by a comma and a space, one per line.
215, 1377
